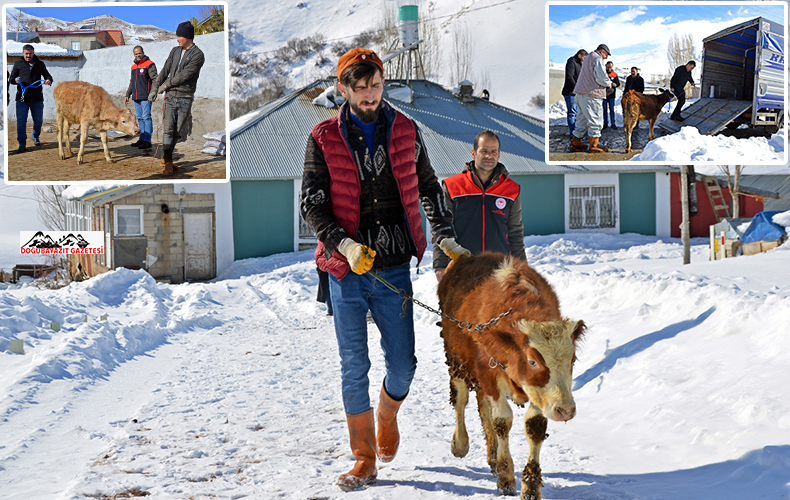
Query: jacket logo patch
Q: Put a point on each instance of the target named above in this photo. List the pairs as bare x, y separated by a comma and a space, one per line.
142, 70
501, 203
498, 212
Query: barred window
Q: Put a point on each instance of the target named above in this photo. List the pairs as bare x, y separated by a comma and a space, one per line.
592, 207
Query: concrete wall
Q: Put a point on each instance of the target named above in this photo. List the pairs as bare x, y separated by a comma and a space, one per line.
110, 68
224, 218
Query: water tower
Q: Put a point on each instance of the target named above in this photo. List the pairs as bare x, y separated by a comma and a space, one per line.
406, 47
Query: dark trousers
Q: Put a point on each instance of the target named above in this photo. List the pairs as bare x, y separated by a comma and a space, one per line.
37, 112
608, 121
681, 101
177, 111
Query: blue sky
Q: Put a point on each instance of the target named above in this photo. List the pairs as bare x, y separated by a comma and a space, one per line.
163, 16
638, 29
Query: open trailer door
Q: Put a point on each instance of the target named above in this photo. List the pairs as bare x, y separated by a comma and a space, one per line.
709, 116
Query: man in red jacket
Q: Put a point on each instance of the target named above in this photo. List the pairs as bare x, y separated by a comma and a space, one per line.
486, 205
366, 172
143, 75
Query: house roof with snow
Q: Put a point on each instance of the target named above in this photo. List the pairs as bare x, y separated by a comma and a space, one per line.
269, 142
23, 36
14, 49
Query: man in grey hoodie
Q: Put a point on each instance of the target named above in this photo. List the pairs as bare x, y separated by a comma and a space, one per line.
178, 78
590, 92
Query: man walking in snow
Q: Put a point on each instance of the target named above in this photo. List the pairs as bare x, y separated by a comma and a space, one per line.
590, 92
486, 205
178, 78
365, 173
143, 76
677, 85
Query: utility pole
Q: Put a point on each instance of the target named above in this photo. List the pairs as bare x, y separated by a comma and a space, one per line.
684, 226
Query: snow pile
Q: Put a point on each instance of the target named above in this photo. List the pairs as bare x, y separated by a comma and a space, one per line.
230, 389
688, 145
13, 47
783, 219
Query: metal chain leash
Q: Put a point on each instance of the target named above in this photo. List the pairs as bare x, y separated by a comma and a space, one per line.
463, 324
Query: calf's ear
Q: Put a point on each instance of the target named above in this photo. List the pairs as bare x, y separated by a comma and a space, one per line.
579, 328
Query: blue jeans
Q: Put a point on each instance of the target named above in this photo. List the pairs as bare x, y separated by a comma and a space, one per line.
37, 112
143, 111
570, 103
609, 102
352, 297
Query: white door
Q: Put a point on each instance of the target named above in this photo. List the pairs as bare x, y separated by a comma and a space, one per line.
198, 245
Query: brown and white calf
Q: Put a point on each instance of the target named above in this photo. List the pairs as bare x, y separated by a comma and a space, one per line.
90, 106
526, 356
642, 107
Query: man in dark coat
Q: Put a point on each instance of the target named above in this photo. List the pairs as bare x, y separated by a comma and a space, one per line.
634, 82
143, 76
572, 68
178, 78
678, 87
27, 72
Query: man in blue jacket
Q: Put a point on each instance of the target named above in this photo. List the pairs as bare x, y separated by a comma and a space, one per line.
29, 95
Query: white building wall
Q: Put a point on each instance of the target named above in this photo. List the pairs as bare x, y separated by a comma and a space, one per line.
663, 205
111, 69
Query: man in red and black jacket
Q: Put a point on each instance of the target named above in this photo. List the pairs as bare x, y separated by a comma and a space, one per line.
486, 205
143, 73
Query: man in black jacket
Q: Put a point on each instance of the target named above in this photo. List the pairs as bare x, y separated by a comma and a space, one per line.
143, 76
678, 87
572, 68
26, 73
178, 78
634, 82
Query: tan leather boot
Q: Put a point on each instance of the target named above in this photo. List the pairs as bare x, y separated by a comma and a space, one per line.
594, 147
387, 435
362, 435
577, 144
168, 168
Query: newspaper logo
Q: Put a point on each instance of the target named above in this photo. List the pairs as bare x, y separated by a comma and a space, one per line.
61, 242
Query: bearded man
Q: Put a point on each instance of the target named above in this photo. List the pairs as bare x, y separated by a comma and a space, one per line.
366, 172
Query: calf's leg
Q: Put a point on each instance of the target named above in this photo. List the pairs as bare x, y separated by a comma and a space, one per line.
502, 420
652, 135
83, 139
59, 123
535, 428
107, 157
484, 408
459, 397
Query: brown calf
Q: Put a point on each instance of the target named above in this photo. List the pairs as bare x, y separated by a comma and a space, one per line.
90, 106
642, 107
527, 356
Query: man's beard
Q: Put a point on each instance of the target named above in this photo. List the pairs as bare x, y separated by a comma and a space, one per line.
366, 116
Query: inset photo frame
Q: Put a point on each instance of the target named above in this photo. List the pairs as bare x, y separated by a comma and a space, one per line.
668, 83
116, 93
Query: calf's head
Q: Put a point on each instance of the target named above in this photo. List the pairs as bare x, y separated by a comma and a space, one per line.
127, 122
538, 357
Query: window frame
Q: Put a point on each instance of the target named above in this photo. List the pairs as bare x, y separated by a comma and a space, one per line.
141, 212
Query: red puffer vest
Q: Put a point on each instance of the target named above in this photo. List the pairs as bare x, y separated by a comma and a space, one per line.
345, 187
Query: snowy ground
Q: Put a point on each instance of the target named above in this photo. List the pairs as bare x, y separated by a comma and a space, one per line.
230, 389
688, 145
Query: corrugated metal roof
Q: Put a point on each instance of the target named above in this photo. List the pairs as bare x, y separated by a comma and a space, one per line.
271, 143
775, 183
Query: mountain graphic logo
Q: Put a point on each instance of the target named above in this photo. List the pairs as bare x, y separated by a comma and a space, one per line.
41, 240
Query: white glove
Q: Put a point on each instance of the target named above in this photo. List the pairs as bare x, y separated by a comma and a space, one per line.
359, 257
452, 249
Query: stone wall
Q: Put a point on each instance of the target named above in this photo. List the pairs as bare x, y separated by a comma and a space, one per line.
165, 231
